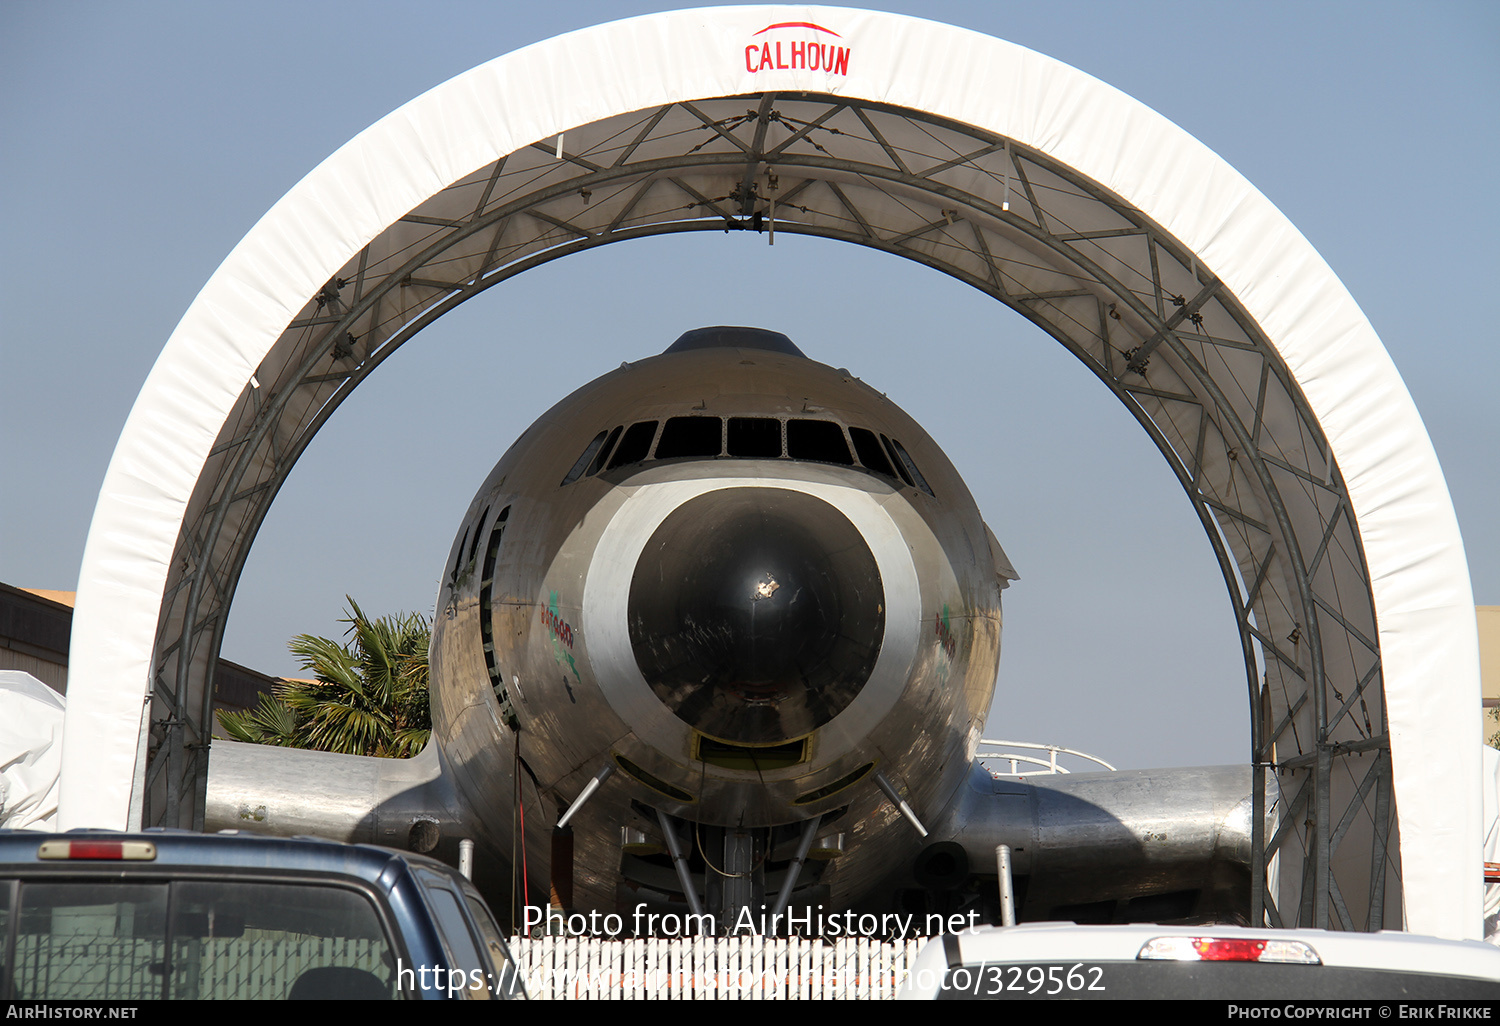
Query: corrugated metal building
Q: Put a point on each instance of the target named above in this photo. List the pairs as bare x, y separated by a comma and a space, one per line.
35, 626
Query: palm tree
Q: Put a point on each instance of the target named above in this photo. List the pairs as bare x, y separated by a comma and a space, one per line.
369, 697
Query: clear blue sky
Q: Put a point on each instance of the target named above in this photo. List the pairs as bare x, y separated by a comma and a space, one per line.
138, 143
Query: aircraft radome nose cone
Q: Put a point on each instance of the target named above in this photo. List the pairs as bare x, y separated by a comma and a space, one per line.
756, 614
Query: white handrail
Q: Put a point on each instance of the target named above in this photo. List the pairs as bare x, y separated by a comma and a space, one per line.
1050, 764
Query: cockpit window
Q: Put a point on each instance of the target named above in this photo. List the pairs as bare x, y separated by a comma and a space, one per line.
752, 438
635, 445
819, 440
698, 437
867, 448
896, 460
755, 438
603, 454
910, 465
589, 452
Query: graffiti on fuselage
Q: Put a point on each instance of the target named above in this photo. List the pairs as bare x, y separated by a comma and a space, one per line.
562, 635
947, 645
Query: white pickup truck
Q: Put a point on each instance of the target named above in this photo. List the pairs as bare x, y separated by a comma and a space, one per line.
1064, 960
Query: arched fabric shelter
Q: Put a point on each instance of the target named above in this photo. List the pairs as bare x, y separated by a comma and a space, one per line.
1180, 286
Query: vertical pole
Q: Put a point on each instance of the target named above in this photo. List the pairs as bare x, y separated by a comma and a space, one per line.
1007, 892
1382, 841
1258, 844
1320, 836
172, 739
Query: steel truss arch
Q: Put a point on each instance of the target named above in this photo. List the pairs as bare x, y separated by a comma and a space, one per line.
316, 362
1135, 303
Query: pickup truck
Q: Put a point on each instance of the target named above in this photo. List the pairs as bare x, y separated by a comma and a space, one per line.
1051, 961
172, 914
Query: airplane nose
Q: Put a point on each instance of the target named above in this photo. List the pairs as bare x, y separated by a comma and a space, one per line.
756, 614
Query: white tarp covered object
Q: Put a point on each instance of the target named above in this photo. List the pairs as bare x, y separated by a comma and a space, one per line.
31, 728
1407, 529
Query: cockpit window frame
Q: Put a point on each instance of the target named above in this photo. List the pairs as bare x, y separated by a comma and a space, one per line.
911, 466
739, 437
601, 459
689, 431
606, 451
812, 443
585, 458
630, 443
871, 448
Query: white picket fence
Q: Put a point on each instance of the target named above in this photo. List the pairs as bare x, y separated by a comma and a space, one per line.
697, 968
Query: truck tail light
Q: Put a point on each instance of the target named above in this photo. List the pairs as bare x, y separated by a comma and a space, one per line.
94, 850
1218, 949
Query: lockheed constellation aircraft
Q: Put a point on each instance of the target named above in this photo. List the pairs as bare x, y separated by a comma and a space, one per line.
719, 633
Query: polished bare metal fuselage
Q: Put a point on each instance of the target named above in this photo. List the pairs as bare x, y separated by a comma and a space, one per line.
754, 644
553, 578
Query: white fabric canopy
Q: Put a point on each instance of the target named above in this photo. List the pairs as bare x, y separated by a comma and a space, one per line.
31, 728
1406, 525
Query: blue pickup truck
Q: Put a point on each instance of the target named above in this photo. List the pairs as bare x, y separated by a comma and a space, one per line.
169, 914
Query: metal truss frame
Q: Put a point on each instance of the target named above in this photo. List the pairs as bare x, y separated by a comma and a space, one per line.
1126, 298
